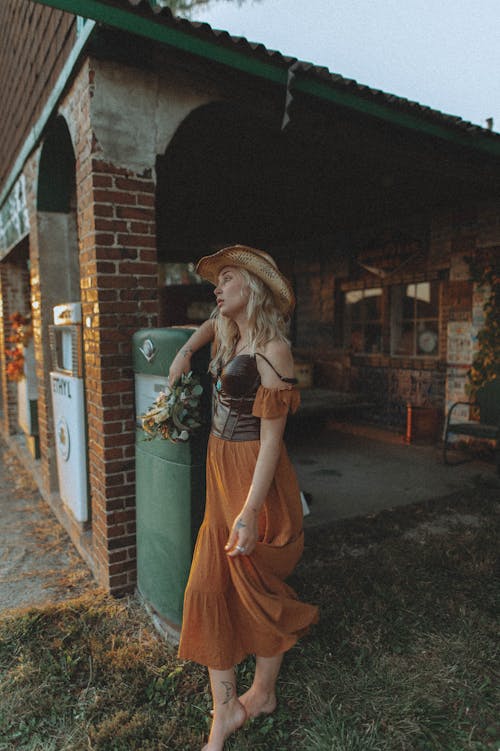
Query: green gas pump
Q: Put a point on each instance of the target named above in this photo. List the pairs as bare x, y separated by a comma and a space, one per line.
170, 477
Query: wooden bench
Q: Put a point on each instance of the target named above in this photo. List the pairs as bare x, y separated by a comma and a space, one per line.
488, 425
318, 402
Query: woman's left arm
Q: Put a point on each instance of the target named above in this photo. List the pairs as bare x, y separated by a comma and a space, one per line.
244, 532
245, 528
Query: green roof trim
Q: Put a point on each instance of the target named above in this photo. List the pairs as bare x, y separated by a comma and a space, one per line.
128, 20
394, 117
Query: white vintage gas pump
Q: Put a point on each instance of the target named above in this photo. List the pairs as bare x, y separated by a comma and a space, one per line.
68, 402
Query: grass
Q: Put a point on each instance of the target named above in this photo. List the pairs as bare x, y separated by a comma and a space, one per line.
403, 659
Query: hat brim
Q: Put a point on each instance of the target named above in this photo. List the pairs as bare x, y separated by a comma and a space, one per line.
258, 263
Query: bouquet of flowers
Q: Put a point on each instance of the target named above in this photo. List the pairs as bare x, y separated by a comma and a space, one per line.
175, 413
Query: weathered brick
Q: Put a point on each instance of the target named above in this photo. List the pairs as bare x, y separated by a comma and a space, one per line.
103, 209
146, 199
116, 282
110, 225
129, 212
101, 181
130, 267
108, 168
115, 196
121, 542
118, 555
142, 228
131, 184
136, 241
105, 267
117, 581
104, 238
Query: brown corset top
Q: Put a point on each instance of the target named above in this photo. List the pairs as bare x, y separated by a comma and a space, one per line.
233, 396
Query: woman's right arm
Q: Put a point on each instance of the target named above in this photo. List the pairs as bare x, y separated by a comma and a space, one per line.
182, 361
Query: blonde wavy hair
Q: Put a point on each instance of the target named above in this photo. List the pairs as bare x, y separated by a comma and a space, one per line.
265, 323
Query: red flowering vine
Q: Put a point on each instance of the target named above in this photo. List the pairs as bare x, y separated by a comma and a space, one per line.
20, 337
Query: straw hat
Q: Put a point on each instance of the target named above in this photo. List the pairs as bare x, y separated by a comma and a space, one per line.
257, 262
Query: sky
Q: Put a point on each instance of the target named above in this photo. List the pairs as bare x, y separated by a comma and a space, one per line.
442, 53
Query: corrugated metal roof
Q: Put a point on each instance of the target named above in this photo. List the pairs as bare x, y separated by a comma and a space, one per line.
335, 80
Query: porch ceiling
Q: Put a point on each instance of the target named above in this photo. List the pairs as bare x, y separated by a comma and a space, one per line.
228, 175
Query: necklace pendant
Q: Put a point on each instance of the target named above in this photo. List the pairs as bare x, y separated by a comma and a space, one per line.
218, 384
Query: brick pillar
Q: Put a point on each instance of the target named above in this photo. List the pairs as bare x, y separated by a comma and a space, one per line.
14, 297
119, 281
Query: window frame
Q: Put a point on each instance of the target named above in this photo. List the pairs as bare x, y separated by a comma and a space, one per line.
415, 319
364, 322
387, 348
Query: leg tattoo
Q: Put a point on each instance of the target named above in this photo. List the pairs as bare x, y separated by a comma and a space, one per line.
229, 691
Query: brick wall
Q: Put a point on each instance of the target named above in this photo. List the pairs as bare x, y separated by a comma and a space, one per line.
391, 388
315, 291
392, 382
119, 292
119, 286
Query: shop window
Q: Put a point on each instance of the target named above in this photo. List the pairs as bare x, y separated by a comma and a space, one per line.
185, 298
363, 320
414, 313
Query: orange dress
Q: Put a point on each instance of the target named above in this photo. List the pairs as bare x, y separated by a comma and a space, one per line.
238, 606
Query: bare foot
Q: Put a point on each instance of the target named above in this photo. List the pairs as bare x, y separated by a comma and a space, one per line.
227, 719
258, 702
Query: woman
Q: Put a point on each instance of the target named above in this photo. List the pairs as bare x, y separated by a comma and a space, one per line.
236, 602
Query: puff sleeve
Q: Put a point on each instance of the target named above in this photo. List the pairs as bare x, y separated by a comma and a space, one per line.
272, 403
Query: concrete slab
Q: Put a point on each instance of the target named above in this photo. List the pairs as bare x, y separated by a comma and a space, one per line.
355, 474
38, 563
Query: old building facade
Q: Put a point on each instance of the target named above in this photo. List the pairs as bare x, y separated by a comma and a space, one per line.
135, 142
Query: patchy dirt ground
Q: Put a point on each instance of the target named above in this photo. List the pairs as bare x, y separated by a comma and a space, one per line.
38, 563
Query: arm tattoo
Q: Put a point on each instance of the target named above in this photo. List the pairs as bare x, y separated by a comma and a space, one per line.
240, 524
229, 691
186, 351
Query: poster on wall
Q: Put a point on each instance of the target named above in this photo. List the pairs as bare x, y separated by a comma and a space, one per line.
459, 358
459, 268
460, 343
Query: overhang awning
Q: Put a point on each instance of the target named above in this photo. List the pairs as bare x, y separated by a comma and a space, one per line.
148, 20
14, 218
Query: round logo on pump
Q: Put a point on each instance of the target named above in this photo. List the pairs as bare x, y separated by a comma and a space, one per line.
62, 438
148, 349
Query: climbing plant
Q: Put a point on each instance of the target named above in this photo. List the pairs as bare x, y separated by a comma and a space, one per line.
19, 338
485, 272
